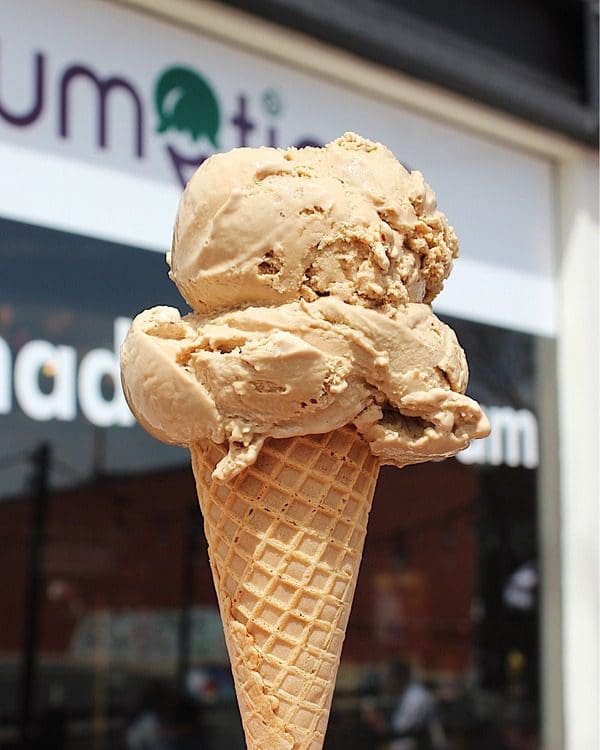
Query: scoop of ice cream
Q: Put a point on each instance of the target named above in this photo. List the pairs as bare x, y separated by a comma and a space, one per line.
301, 368
267, 227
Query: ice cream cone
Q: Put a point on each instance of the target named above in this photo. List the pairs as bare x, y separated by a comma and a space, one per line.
310, 274
285, 540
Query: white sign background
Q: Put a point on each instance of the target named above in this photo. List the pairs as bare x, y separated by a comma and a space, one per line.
500, 199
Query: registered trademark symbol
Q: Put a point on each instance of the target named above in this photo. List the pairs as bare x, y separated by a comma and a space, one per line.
271, 102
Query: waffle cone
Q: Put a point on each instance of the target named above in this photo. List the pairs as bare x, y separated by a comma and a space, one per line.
285, 540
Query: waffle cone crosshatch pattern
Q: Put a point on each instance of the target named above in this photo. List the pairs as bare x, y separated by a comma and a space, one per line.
285, 541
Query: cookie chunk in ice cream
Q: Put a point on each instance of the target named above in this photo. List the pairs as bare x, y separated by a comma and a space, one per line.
310, 273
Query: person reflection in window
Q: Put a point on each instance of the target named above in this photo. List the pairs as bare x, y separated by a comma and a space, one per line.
147, 732
167, 720
414, 723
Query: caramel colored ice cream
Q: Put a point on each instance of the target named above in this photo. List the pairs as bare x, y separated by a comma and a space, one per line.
265, 226
310, 273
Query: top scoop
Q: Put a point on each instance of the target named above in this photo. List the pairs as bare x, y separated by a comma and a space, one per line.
310, 272
263, 226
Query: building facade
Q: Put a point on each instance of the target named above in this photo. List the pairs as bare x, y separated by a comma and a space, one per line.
481, 572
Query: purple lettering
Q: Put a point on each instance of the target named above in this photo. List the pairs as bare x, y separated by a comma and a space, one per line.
304, 142
38, 98
184, 166
103, 88
241, 122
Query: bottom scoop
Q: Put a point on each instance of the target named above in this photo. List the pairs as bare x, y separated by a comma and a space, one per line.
298, 369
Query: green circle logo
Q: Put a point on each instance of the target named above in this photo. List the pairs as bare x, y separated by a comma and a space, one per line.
185, 102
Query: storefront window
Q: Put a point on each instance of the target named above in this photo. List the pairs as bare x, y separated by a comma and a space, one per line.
109, 619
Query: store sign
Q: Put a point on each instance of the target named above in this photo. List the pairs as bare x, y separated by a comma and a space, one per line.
180, 102
103, 128
513, 440
158, 117
105, 112
71, 382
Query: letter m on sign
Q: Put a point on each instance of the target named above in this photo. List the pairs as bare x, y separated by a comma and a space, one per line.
103, 88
